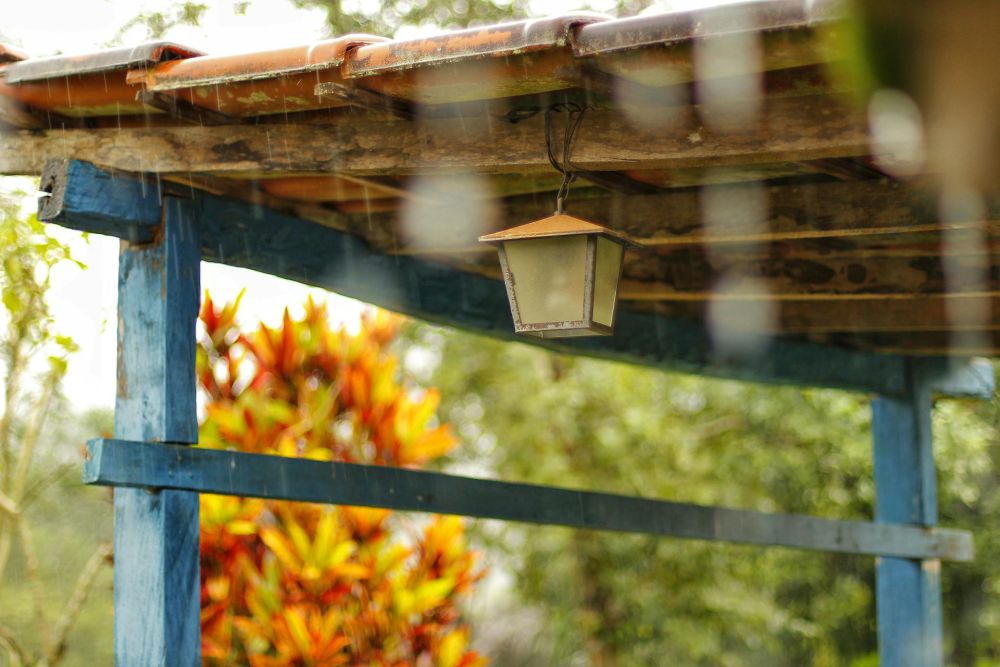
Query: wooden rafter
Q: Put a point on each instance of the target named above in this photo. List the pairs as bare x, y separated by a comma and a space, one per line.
967, 311
787, 213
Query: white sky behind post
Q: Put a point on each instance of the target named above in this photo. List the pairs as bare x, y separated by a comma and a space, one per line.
84, 302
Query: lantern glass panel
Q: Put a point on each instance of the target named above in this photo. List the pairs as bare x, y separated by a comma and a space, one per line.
606, 273
548, 275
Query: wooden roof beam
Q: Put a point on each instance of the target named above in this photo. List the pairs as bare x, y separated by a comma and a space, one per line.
778, 279
924, 343
787, 129
860, 210
968, 311
239, 234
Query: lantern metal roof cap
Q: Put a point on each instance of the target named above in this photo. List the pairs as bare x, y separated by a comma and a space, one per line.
559, 224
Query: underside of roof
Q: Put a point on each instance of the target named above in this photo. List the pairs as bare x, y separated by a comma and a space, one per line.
727, 143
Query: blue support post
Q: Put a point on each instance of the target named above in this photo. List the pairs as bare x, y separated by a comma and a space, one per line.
156, 532
908, 592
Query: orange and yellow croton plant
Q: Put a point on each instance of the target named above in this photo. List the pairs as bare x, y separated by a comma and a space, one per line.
299, 584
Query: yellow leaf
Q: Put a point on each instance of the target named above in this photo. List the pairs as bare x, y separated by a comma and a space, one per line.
299, 537
323, 539
241, 527
341, 553
403, 601
352, 571
432, 445
452, 648
295, 621
430, 594
281, 548
218, 587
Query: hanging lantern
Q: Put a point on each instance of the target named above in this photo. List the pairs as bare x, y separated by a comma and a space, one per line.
562, 276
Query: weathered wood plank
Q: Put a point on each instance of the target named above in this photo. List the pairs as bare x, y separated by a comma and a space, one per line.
904, 244
696, 276
239, 234
146, 465
746, 214
157, 601
966, 311
789, 129
908, 591
919, 343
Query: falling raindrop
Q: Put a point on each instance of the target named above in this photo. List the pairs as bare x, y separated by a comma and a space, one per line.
742, 316
446, 213
966, 268
897, 133
650, 108
733, 208
727, 66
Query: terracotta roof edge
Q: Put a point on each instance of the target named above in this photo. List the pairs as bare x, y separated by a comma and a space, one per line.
39, 69
502, 39
678, 26
334, 53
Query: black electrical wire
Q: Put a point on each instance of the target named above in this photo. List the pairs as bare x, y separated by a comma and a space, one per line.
575, 118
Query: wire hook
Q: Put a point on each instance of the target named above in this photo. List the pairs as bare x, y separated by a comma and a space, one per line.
568, 171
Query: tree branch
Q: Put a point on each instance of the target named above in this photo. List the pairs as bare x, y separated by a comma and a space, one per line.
31, 568
31, 433
84, 583
35, 489
8, 638
11, 386
6, 539
8, 506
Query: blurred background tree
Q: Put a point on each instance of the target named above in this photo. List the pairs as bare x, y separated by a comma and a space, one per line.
47, 567
343, 18
347, 17
607, 599
300, 584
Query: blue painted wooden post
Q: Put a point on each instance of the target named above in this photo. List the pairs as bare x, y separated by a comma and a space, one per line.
156, 533
908, 592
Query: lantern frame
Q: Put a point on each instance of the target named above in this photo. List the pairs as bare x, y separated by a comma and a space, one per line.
562, 225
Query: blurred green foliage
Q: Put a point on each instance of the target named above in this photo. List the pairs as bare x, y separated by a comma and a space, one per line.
49, 561
350, 17
344, 17
70, 522
157, 23
609, 599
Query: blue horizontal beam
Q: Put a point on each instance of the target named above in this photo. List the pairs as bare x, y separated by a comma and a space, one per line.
241, 234
80, 196
158, 466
